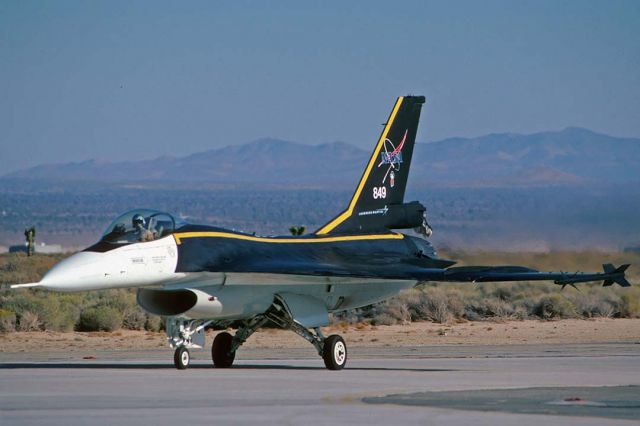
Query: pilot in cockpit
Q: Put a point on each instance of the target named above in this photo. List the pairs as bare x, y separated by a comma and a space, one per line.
144, 234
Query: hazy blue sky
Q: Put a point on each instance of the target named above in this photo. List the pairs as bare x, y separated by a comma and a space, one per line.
130, 80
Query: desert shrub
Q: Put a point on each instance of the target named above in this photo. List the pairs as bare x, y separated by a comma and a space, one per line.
358, 315
153, 323
18, 301
499, 308
587, 305
427, 304
411, 300
58, 313
590, 305
384, 319
100, 318
61, 311
435, 306
7, 321
398, 310
10, 266
26, 305
520, 312
134, 319
28, 321
124, 301
456, 303
492, 308
120, 299
553, 306
471, 314
55, 312
504, 293
446, 302
630, 303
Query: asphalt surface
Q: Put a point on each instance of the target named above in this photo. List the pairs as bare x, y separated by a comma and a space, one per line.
463, 384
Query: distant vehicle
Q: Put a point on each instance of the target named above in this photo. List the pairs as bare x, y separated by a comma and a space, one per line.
196, 275
41, 248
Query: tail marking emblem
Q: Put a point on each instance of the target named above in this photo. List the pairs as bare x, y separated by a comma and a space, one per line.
392, 156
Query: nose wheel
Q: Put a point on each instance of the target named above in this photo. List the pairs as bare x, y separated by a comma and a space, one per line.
181, 358
184, 334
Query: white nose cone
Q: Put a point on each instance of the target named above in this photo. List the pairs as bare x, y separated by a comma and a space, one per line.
133, 265
81, 271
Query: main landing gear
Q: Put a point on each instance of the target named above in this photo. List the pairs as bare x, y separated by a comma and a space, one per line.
334, 352
222, 352
185, 334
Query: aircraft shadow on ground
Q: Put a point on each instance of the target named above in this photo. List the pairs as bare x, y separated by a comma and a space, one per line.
150, 366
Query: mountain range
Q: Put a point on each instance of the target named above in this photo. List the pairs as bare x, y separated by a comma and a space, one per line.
573, 156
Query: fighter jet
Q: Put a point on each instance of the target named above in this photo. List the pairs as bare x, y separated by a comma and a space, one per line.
199, 276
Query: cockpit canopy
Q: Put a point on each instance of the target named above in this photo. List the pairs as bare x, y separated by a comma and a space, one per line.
140, 225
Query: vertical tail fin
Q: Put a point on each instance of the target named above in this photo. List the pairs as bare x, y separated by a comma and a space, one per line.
384, 180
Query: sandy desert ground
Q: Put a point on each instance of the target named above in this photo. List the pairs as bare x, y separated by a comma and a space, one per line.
360, 335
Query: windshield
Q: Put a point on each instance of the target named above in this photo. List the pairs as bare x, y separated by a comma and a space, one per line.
140, 225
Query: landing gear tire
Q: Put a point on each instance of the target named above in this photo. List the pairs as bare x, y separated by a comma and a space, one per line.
334, 353
221, 351
181, 358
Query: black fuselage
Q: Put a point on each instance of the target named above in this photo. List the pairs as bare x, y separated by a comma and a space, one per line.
383, 255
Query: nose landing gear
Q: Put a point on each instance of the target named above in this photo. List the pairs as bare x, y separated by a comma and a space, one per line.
184, 334
181, 358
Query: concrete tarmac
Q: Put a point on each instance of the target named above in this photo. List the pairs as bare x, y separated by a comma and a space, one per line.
591, 384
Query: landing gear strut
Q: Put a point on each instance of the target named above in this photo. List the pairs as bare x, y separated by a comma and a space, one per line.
185, 334
332, 349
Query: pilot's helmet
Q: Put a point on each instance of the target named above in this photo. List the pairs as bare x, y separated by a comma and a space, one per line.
138, 220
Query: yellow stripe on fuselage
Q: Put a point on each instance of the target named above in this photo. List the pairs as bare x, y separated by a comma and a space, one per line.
179, 236
347, 213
